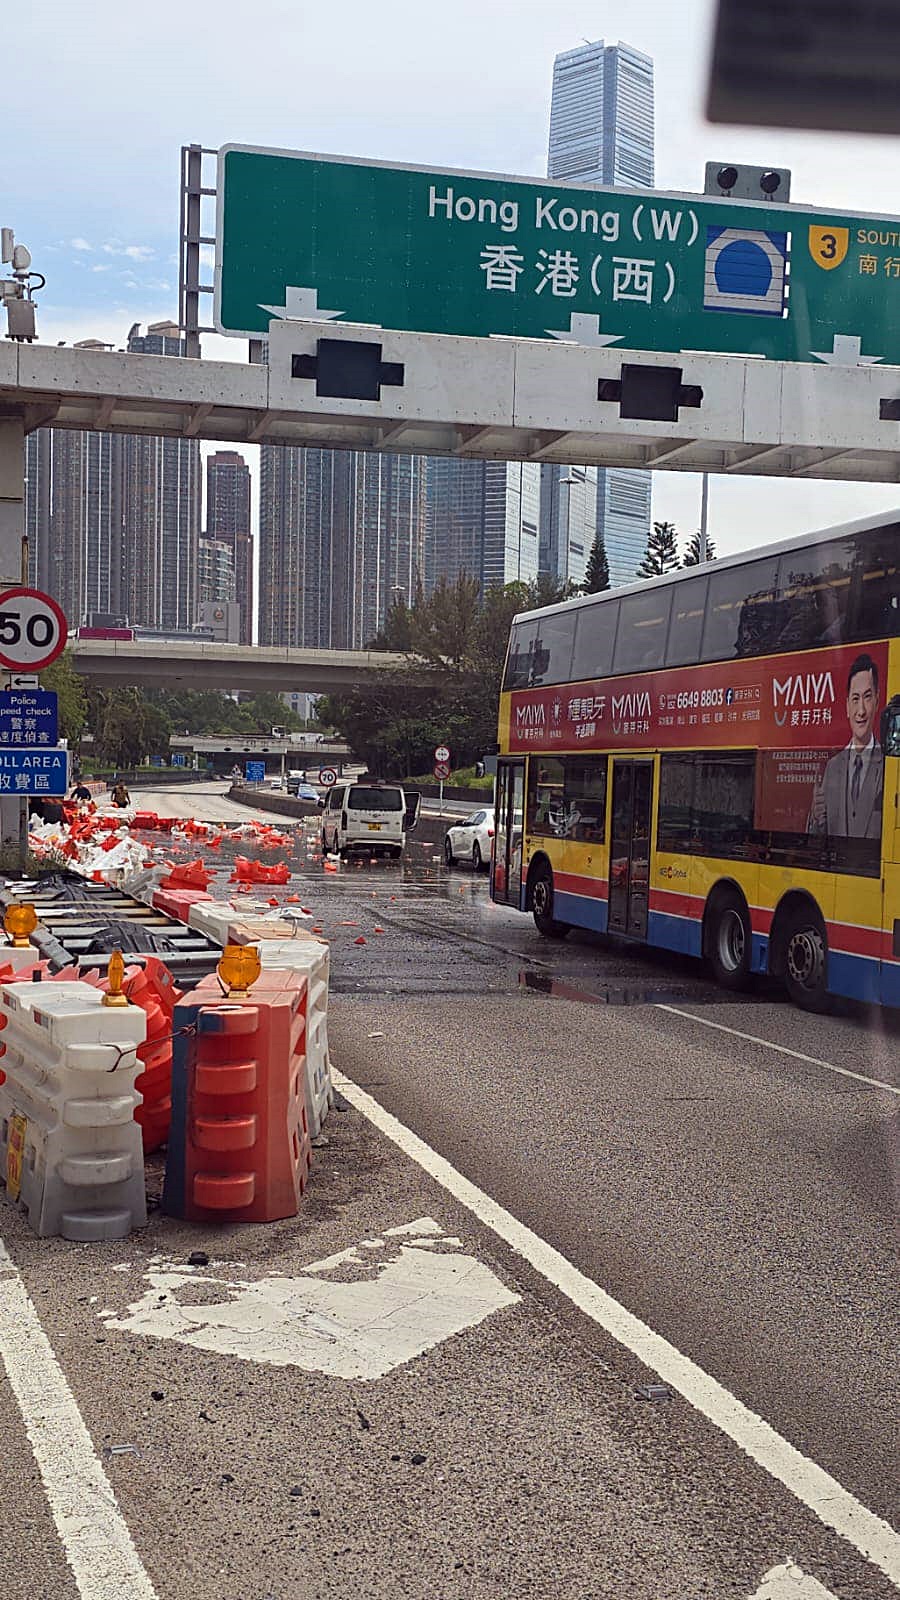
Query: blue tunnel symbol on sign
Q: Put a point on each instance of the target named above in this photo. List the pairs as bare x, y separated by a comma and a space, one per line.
745, 270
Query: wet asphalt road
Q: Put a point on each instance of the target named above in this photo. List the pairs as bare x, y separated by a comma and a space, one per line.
697, 1156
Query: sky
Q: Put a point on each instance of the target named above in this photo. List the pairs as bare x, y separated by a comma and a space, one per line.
93, 131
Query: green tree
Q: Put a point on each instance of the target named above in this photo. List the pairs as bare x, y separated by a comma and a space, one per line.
596, 577
397, 632
444, 627
691, 557
448, 693
662, 551
118, 726
68, 684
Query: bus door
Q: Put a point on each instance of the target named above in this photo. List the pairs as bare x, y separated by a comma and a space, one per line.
506, 881
629, 855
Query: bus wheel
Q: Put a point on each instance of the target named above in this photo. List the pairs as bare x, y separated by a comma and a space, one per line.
730, 947
542, 905
806, 961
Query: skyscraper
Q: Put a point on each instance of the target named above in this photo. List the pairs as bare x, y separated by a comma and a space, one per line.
341, 533
483, 520
228, 522
601, 131
73, 517
38, 446
161, 509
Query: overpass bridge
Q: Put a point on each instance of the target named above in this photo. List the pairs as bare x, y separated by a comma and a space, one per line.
183, 664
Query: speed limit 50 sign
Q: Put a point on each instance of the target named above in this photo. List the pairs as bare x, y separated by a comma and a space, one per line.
33, 629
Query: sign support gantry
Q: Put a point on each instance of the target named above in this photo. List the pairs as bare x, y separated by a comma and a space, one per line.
351, 386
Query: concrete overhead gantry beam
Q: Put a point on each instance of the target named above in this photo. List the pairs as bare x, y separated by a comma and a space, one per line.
492, 399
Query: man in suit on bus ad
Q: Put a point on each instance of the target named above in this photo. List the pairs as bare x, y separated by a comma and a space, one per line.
847, 801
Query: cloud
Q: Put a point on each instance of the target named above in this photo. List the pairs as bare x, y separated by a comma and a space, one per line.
132, 252
81, 244
102, 266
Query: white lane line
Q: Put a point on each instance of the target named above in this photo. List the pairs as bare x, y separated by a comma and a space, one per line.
95, 1538
815, 1488
789, 1583
783, 1049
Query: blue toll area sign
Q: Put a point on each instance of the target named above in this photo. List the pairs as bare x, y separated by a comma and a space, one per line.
33, 772
255, 771
28, 717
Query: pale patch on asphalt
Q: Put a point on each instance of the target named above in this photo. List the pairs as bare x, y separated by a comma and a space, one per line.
376, 1314
95, 1540
789, 1583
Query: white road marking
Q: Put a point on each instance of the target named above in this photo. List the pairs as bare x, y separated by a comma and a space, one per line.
789, 1583
95, 1539
835, 1506
783, 1049
380, 1313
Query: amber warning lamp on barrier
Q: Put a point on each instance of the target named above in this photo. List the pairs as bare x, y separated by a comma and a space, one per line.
20, 922
115, 994
239, 967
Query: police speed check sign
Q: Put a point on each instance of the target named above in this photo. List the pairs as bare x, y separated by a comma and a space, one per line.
327, 776
33, 629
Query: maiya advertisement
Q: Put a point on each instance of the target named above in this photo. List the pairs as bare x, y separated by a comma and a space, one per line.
813, 717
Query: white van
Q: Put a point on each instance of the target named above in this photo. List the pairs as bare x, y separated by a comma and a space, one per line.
368, 816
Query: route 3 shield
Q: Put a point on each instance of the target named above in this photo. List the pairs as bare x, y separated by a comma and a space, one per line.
828, 246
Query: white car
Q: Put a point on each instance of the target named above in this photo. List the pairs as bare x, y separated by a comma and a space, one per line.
471, 840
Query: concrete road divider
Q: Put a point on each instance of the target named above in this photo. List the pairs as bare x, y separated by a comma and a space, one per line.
70, 1149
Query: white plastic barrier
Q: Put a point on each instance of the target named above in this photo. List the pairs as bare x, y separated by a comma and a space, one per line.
212, 917
305, 954
226, 923
70, 1149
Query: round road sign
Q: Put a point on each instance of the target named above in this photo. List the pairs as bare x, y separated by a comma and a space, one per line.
442, 770
442, 753
327, 776
33, 629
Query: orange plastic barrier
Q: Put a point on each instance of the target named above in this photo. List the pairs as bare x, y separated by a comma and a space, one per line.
153, 988
239, 1146
177, 902
246, 871
192, 875
152, 823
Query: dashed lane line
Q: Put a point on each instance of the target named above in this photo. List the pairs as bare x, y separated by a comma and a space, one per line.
782, 1049
834, 1505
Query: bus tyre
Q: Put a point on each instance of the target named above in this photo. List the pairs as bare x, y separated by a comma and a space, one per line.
730, 947
542, 905
806, 961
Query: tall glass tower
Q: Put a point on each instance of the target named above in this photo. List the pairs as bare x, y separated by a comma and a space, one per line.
601, 131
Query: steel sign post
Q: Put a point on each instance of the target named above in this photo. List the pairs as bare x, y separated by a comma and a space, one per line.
441, 772
329, 238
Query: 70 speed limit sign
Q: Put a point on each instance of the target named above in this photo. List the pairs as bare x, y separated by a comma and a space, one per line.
33, 629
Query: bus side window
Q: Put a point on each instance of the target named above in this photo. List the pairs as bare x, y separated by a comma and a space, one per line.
875, 587
740, 611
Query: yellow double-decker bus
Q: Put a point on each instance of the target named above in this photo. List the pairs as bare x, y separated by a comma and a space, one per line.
709, 763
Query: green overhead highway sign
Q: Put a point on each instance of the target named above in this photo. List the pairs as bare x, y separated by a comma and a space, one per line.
330, 238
